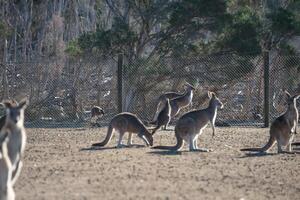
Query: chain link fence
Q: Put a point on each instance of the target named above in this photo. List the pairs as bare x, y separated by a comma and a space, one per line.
62, 92
237, 80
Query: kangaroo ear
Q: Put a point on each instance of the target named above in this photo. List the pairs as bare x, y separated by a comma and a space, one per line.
287, 94
189, 85
23, 103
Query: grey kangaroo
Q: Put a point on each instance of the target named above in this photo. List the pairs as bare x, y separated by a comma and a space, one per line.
6, 186
14, 127
127, 122
164, 117
182, 101
192, 124
283, 128
169, 95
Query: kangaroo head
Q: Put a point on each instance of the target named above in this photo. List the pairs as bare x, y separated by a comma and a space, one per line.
291, 100
15, 111
189, 87
147, 137
214, 100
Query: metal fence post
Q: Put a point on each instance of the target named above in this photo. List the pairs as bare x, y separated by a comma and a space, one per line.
266, 88
120, 83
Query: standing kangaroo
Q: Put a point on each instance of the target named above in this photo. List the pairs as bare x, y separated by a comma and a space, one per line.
169, 95
127, 122
182, 101
283, 128
14, 127
164, 117
6, 186
191, 125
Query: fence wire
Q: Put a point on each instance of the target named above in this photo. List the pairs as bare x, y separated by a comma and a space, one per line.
62, 92
237, 80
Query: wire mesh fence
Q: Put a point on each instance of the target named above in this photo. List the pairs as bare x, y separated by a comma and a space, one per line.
63, 92
237, 80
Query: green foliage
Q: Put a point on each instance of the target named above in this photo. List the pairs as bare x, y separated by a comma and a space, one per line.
145, 67
241, 34
189, 11
109, 41
284, 21
188, 24
73, 49
5, 30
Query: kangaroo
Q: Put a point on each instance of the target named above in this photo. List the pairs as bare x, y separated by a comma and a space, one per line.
191, 125
180, 102
96, 112
14, 127
169, 95
163, 117
127, 122
6, 186
2, 121
283, 128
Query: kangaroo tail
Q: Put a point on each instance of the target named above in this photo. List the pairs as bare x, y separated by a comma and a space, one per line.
107, 138
178, 145
265, 148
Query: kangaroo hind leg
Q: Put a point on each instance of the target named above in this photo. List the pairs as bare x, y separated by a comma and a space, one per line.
129, 143
120, 144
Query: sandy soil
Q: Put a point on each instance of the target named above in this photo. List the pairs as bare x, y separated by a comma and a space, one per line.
58, 164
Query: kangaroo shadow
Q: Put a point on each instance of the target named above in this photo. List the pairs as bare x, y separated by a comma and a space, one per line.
165, 153
170, 152
91, 148
262, 154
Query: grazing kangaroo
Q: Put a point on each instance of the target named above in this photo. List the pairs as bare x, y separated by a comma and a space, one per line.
96, 112
191, 125
127, 122
6, 186
182, 101
283, 128
164, 117
169, 95
14, 127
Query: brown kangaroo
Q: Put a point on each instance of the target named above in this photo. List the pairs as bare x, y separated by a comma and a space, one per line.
96, 113
283, 128
191, 125
162, 100
164, 117
14, 127
169, 95
127, 122
180, 102
6, 186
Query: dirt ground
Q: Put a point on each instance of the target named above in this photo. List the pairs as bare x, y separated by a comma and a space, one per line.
58, 164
